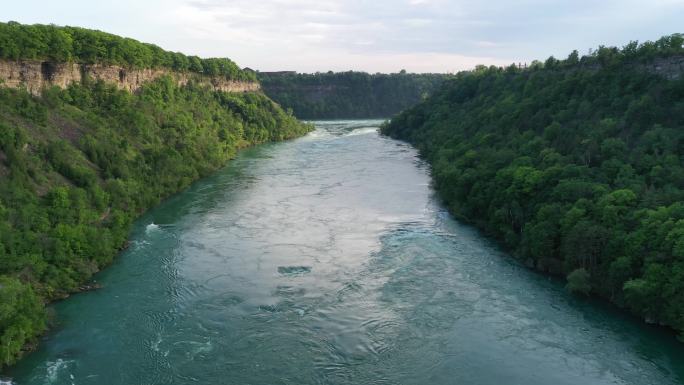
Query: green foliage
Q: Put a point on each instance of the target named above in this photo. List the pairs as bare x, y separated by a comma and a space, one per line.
21, 316
575, 165
60, 44
78, 167
579, 281
348, 95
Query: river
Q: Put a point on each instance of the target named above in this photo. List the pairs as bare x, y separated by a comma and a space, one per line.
328, 260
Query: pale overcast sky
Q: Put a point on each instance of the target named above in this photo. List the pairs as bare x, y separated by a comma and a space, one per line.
370, 35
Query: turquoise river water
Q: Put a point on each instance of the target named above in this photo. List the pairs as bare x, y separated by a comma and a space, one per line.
328, 260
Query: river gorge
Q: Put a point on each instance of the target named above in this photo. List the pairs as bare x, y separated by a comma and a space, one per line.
329, 260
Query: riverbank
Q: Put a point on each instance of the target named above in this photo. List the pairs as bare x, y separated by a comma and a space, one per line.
328, 259
80, 164
570, 190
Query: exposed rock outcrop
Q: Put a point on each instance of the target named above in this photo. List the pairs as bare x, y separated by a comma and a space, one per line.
670, 67
35, 75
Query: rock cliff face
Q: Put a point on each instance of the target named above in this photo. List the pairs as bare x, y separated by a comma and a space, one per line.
672, 67
35, 75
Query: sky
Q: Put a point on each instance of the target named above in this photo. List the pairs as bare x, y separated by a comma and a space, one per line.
366, 35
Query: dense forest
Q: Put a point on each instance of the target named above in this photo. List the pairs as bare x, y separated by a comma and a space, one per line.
348, 95
67, 44
576, 165
78, 165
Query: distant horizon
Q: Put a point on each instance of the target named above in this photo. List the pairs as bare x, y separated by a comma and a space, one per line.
420, 36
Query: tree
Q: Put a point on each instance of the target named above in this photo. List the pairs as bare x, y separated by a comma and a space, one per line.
575, 167
578, 282
21, 317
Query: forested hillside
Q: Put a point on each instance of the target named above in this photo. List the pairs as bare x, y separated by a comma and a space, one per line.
348, 95
77, 166
576, 165
64, 44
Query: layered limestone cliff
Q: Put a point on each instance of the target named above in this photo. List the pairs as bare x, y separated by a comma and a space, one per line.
36, 75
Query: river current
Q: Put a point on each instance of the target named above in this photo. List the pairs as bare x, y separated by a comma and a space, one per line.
329, 260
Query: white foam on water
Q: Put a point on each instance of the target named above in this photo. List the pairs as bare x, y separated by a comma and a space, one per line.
139, 243
151, 227
155, 345
317, 134
202, 347
199, 348
54, 368
363, 131
6, 381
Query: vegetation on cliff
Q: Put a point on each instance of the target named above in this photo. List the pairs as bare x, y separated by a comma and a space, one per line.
73, 44
348, 95
576, 165
77, 166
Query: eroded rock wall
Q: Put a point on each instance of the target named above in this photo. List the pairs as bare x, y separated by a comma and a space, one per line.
671, 67
35, 75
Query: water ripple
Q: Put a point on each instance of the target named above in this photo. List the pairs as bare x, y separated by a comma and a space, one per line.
328, 260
